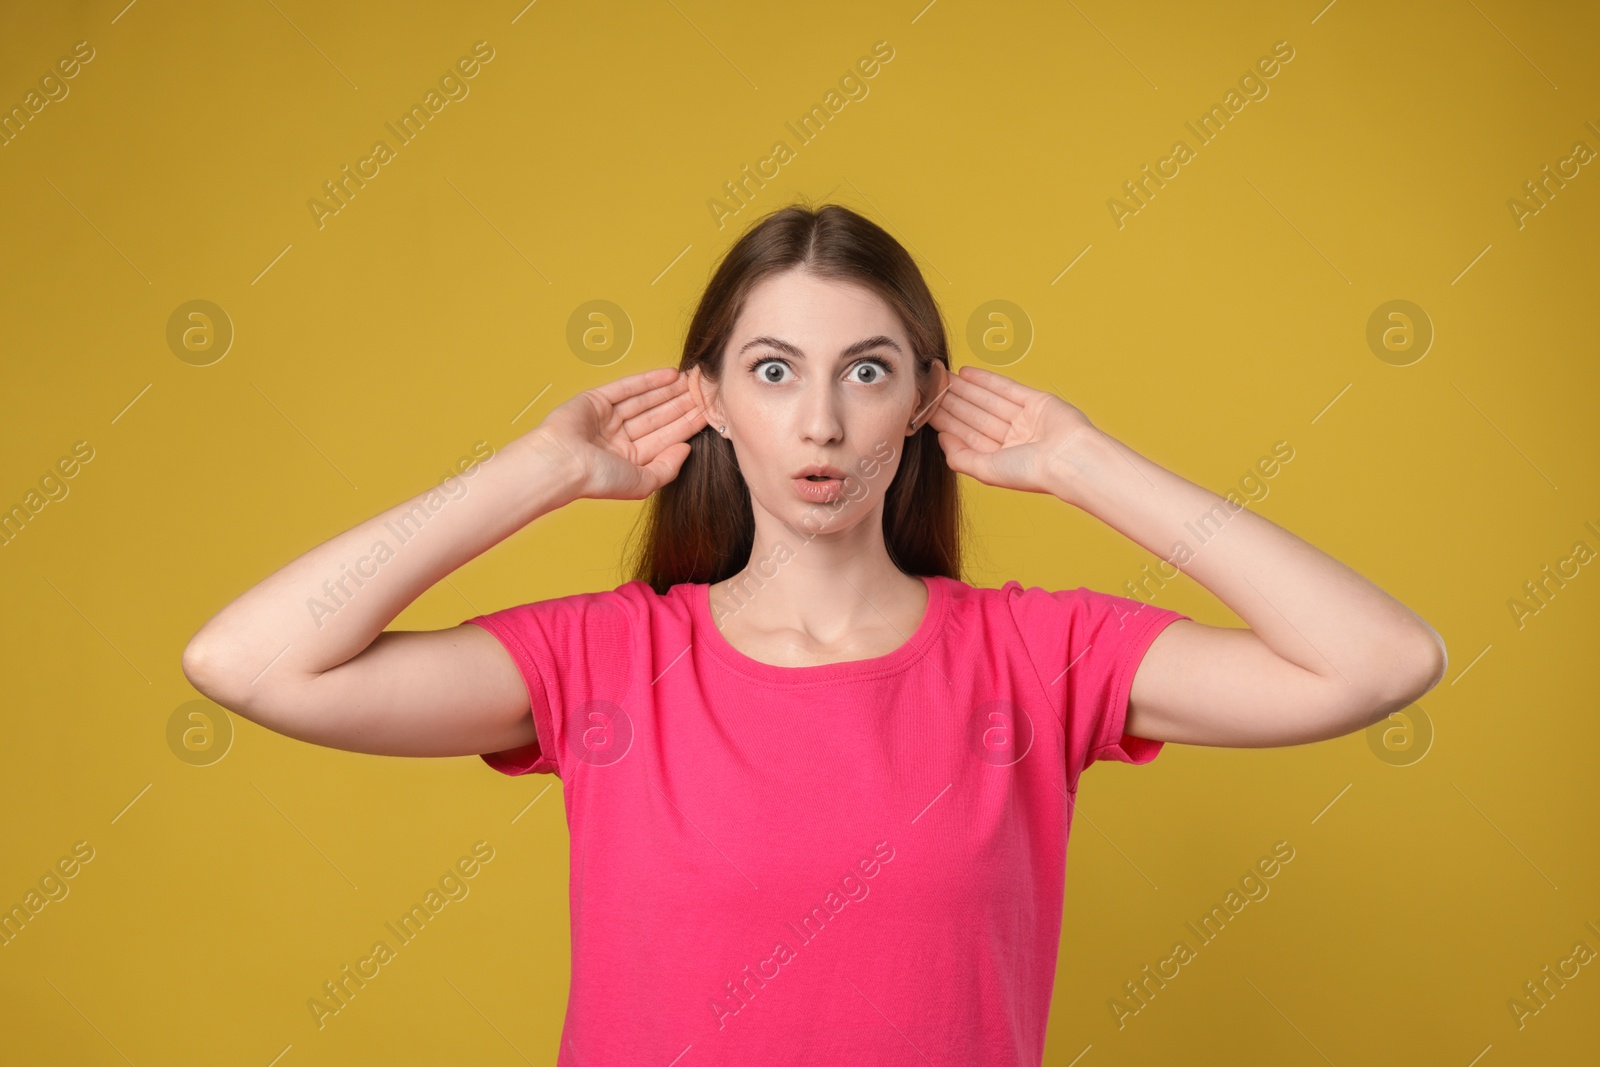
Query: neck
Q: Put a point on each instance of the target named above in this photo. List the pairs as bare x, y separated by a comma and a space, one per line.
819, 582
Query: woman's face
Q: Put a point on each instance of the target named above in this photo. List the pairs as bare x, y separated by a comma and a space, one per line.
818, 373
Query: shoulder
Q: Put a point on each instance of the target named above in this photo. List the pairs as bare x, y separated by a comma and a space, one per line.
631, 606
965, 599
992, 613
1046, 616
632, 595
1078, 600
1012, 597
977, 595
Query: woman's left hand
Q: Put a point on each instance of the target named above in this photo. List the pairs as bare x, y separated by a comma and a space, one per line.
1003, 433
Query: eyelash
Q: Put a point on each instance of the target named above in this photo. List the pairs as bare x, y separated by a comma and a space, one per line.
884, 366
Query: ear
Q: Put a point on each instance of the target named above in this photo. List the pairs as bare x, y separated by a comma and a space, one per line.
705, 395
929, 401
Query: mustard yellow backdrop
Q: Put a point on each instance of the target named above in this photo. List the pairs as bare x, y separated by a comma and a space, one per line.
271, 267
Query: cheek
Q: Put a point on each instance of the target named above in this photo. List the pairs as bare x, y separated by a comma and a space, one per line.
757, 453
877, 468
760, 414
767, 436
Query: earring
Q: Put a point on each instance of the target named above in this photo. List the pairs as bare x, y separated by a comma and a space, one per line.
723, 430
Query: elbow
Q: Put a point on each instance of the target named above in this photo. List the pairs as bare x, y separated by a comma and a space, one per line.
1413, 676
1431, 660
208, 673
194, 664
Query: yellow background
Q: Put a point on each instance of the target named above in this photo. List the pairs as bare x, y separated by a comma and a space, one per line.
432, 312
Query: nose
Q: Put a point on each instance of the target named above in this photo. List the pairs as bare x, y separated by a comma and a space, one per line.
819, 417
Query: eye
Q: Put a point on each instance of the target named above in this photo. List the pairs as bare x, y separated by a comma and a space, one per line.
880, 370
767, 367
774, 370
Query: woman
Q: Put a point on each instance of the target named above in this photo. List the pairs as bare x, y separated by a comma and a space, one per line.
818, 787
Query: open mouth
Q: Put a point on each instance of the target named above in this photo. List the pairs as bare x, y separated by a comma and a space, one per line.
819, 488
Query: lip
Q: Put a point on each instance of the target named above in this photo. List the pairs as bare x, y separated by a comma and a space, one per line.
823, 492
830, 472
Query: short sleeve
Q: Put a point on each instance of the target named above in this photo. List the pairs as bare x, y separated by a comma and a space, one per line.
575, 655
1087, 646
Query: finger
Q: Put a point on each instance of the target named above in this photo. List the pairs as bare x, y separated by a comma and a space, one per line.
663, 468
621, 389
680, 429
643, 401
951, 420
663, 397
669, 411
985, 398
957, 456
999, 383
945, 422
975, 416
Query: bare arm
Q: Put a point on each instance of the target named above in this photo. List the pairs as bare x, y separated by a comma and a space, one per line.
304, 652
1325, 651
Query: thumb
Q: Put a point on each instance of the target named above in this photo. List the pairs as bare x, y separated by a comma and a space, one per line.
666, 465
957, 455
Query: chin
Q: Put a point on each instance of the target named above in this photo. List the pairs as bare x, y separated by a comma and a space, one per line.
829, 518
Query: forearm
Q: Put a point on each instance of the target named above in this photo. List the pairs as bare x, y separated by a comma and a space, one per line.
326, 606
1303, 604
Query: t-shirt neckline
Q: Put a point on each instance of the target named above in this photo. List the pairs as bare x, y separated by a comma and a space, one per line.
913, 649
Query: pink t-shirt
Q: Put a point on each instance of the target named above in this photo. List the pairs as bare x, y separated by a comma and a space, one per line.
858, 862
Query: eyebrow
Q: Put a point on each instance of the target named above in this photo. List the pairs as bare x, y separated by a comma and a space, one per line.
865, 345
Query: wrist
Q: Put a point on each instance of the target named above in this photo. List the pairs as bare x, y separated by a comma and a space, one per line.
561, 476
1074, 466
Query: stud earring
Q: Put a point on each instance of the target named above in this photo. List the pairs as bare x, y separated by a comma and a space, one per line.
723, 430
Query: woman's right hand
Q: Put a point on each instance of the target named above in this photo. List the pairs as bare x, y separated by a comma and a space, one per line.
627, 438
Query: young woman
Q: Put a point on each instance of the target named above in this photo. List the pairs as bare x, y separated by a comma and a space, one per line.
818, 787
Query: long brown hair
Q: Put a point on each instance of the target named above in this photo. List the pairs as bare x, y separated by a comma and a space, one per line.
700, 527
